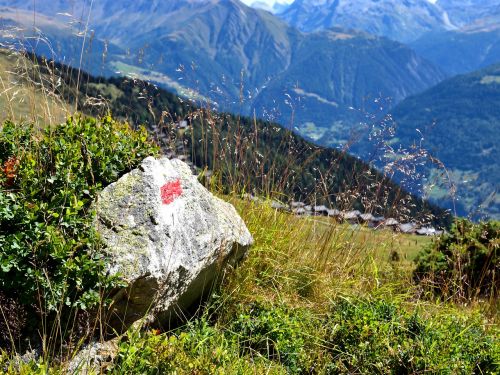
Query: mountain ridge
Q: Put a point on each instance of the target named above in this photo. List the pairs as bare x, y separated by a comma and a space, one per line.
402, 21
462, 51
467, 12
458, 122
233, 54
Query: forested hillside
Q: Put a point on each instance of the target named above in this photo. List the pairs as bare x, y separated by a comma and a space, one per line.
252, 155
458, 121
463, 51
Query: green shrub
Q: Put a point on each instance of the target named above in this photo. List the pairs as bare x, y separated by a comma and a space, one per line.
197, 348
49, 251
278, 334
380, 337
357, 336
465, 262
258, 340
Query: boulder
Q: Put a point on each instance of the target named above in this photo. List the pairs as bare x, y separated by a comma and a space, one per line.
168, 238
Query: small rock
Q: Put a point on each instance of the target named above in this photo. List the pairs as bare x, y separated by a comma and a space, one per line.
94, 358
391, 222
278, 206
333, 212
428, 231
351, 216
320, 210
297, 204
299, 211
366, 218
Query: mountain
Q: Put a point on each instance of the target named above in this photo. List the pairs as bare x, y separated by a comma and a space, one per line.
244, 154
458, 122
200, 44
458, 36
398, 20
339, 80
277, 7
262, 5
464, 50
466, 12
247, 60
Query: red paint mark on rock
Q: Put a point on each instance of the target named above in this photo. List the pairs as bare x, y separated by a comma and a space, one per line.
170, 191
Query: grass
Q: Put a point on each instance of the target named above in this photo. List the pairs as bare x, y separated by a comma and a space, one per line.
24, 99
316, 297
313, 296
319, 259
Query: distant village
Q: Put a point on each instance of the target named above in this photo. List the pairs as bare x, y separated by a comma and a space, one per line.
354, 217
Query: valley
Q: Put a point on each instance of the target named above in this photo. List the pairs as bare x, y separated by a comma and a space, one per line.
330, 83
249, 187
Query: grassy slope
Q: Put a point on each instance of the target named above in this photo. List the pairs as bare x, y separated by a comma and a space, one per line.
276, 313
22, 100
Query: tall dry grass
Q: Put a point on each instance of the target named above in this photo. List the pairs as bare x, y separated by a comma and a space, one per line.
298, 261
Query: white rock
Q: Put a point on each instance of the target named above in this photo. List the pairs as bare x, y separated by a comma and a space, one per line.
168, 237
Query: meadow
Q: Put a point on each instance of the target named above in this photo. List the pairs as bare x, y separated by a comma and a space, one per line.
313, 296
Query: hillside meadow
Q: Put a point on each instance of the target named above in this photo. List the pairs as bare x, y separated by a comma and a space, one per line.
313, 296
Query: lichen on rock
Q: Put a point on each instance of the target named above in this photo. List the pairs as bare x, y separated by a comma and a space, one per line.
167, 237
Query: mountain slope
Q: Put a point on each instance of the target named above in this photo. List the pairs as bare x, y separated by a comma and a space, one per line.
397, 20
246, 60
466, 12
458, 121
245, 154
329, 90
462, 51
457, 36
